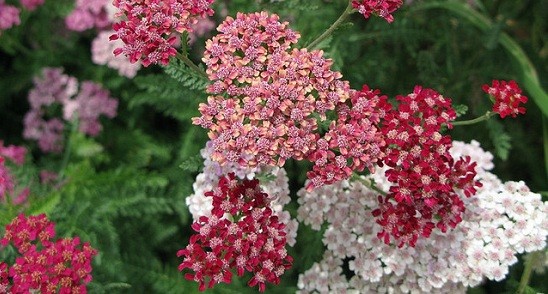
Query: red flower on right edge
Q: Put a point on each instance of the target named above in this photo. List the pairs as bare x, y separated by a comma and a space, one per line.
507, 96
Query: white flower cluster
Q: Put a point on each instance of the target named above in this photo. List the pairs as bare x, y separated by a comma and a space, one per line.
277, 187
500, 221
101, 53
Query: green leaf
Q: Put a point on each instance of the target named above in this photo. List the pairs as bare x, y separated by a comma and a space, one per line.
501, 140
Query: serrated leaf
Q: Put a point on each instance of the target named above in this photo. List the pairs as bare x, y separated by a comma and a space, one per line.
192, 163
500, 139
460, 109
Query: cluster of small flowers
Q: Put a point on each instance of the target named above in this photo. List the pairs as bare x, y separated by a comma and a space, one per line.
265, 94
382, 8
425, 176
9, 14
354, 135
45, 265
148, 26
89, 14
500, 221
276, 186
507, 97
251, 239
101, 53
16, 154
87, 104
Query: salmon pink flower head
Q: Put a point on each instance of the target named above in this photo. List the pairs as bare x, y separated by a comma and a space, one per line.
507, 96
266, 97
148, 27
353, 142
252, 239
382, 8
425, 176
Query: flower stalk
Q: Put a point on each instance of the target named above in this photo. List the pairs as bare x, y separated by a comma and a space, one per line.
348, 11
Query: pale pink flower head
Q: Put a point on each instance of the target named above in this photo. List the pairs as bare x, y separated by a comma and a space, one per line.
382, 8
147, 27
507, 97
91, 102
9, 16
101, 53
88, 14
16, 154
31, 4
265, 95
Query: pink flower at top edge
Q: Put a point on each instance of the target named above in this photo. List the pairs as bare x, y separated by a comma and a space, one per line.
382, 8
9, 16
88, 14
31, 4
507, 96
148, 26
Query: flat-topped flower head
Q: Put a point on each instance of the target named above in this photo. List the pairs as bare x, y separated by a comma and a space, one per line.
241, 234
266, 97
148, 27
382, 8
44, 265
507, 97
425, 176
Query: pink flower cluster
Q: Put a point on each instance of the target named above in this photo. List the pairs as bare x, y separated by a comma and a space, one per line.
266, 97
242, 234
9, 14
148, 26
53, 87
16, 154
507, 97
426, 177
355, 136
88, 14
101, 53
45, 265
382, 8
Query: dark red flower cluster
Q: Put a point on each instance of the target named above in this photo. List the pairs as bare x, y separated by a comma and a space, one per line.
148, 26
353, 141
507, 96
382, 8
242, 234
45, 265
425, 176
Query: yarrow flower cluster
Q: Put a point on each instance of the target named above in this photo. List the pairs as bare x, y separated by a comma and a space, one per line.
507, 97
45, 265
89, 14
241, 234
148, 26
353, 142
86, 102
101, 53
265, 95
500, 221
276, 186
425, 176
9, 14
16, 154
382, 8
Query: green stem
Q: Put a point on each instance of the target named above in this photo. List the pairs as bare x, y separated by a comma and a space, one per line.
476, 120
369, 183
529, 76
527, 271
68, 148
191, 64
349, 10
545, 143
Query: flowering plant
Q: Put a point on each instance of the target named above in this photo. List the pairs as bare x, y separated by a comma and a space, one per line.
272, 145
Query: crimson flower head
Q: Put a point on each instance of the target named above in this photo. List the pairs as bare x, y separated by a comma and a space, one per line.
44, 265
148, 28
382, 8
507, 97
425, 177
242, 234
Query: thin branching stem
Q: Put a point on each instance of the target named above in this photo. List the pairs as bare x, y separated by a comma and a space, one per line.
191, 64
476, 120
348, 11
